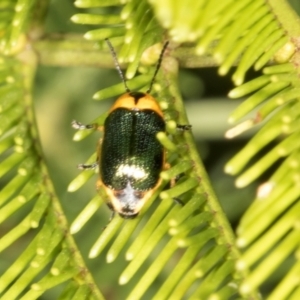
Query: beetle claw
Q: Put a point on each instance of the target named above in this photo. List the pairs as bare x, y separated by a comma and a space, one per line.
178, 201
80, 126
184, 127
87, 167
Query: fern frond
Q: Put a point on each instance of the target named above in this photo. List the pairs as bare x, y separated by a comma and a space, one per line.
268, 231
198, 231
133, 26
254, 33
245, 30
190, 248
14, 23
29, 209
27, 192
270, 222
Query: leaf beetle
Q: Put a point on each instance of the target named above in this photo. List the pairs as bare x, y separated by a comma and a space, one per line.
129, 156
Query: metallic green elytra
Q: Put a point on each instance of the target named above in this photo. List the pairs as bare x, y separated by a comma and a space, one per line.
130, 158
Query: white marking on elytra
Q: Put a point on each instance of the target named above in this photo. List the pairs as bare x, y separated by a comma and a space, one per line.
131, 171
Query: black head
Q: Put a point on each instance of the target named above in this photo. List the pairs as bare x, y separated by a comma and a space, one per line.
128, 215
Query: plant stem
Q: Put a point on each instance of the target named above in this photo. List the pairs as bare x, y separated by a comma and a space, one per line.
29, 66
73, 50
170, 68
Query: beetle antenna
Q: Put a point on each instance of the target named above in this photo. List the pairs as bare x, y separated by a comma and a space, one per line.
114, 55
158, 66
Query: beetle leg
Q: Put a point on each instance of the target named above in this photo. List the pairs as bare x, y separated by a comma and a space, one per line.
98, 185
112, 211
178, 201
111, 216
183, 127
166, 166
110, 219
87, 167
172, 182
108, 203
80, 126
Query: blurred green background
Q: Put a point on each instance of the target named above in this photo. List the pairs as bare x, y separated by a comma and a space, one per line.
64, 94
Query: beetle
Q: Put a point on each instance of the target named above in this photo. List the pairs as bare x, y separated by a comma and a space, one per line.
129, 157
